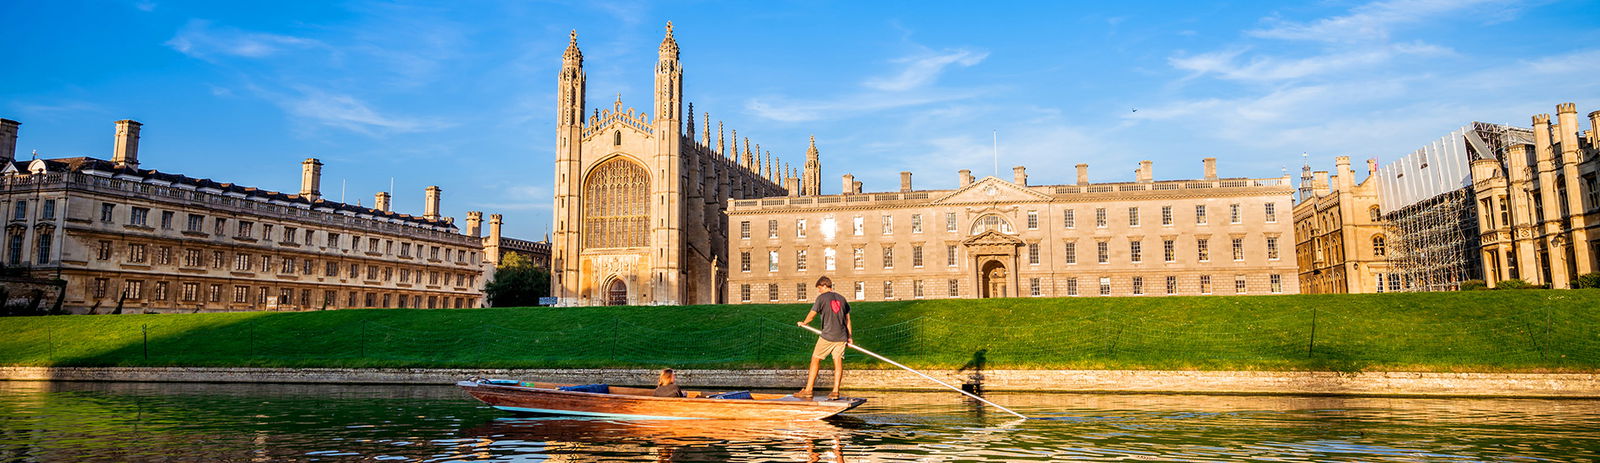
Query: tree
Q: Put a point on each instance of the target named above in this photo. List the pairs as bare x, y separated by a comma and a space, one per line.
517, 282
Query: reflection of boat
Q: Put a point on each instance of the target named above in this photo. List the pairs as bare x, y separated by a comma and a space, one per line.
637, 403
667, 440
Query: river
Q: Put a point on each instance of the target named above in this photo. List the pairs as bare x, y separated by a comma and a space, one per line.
62, 421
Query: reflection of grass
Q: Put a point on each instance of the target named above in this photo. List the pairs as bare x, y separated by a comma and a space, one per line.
1473, 331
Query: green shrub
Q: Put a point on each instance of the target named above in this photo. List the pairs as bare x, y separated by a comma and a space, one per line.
1515, 284
1474, 285
1588, 280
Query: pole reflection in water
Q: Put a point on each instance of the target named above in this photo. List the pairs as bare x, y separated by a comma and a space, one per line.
239, 422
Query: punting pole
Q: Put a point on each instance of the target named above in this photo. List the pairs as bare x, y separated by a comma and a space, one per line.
930, 378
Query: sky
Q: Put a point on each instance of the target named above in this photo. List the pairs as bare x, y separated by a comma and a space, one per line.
462, 94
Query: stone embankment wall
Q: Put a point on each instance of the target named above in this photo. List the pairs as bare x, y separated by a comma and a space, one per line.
1569, 385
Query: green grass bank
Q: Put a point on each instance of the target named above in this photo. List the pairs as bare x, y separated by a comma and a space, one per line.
1526, 331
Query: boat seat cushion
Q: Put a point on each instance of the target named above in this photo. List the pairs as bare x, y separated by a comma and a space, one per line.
504, 382
594, 388
744, 395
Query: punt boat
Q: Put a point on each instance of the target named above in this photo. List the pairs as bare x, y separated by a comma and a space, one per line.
638, 403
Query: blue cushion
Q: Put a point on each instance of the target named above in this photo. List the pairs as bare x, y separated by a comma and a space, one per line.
731, 395
594, 388
506, 382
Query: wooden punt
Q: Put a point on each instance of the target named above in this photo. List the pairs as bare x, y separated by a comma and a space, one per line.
637, 403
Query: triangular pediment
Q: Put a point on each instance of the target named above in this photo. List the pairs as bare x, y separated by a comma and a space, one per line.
992, 238
991, 190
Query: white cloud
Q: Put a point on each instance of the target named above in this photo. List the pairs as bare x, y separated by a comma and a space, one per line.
199, 39
1370, 22
1226, 64
520, 198
347, 112
920, 71
911, 85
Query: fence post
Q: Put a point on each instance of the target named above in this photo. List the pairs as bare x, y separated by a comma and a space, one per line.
144, 330
363, 338
1312, 345
50, 340
251, 352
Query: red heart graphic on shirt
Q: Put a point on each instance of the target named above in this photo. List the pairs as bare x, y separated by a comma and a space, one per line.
835, 305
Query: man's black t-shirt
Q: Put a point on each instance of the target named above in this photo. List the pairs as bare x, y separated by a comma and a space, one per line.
832, 308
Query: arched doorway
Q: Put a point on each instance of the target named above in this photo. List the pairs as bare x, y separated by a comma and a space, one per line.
993, 279
617, 292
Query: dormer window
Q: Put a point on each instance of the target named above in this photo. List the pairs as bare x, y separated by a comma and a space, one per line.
618, 138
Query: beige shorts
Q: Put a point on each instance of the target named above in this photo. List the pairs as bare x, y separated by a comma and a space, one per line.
825, 348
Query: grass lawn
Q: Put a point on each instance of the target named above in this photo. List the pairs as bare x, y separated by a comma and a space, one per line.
1528, 330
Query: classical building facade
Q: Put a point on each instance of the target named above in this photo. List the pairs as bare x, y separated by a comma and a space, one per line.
146, 240
1539, 203
639, 202
1339, 239
997, 238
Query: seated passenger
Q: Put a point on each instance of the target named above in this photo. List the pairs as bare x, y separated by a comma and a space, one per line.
667, 385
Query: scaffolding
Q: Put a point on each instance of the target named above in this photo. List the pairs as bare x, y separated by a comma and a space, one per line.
1434, 243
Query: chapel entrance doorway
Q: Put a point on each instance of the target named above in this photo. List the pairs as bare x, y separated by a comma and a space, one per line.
617, 292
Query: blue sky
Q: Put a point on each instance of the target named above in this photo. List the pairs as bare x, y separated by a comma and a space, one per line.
463, 96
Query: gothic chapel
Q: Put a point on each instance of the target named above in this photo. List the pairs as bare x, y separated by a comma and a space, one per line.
640, 204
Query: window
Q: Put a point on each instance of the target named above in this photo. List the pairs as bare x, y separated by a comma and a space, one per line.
99, 287
858, 257
1271, 212
858, 225
1072, 253
916, 256
160, 293
288, 265
828, 259
1067, 219
103, 251
1103, 252
916, 223
106, 210
1133, 216
166, 219
196, 222
219, 226
888, 289
217, 260
1136, 251
1100, 217
1072, 286
744, 229
290, 234
139, 216
1172, 284
1205, 284
861, 290
245, 229
241, 262
47, 209
1033, 287
214, 293
888, 224
1138, 286
955, 287
1105, 286
1238, 249
991, 223
191, 258
1202, 250
772, 261
1234, 215
133, 289
888, 257
136, 253
1200, 214
1166, 215
916, 289
21, 211
950, 222
800, 260
1169, 251
800, 228
1033, 220
772, 229
164, 255
1277, 283
800, 291
744, 292
616, 205
950, 256
1377, 246
1238, 284
1374, 213
744, 261
772, 292
1033, 253
15, 246
333, 241
1272, 248
241, 294
45, 238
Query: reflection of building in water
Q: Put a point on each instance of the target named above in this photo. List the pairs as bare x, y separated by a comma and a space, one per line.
997, 238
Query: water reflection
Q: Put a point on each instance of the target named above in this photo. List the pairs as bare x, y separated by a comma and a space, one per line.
228, 422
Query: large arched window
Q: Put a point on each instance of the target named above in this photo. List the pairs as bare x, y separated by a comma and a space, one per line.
1377, 246
991, 222
616, 207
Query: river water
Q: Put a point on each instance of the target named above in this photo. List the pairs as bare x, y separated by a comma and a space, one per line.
231, 422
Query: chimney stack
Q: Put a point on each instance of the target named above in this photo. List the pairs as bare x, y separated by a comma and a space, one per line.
1144, 174
1372, 166
849, 185
1594, 130
8, 139
1019, 175
857, 189
966, 177
793, 185
494, 227
1347, 176
1567, 116
311, 178
474, 223
1319, 184
430, 210
905, 181
380, 201
125, 151
1083, 174
1211, 168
